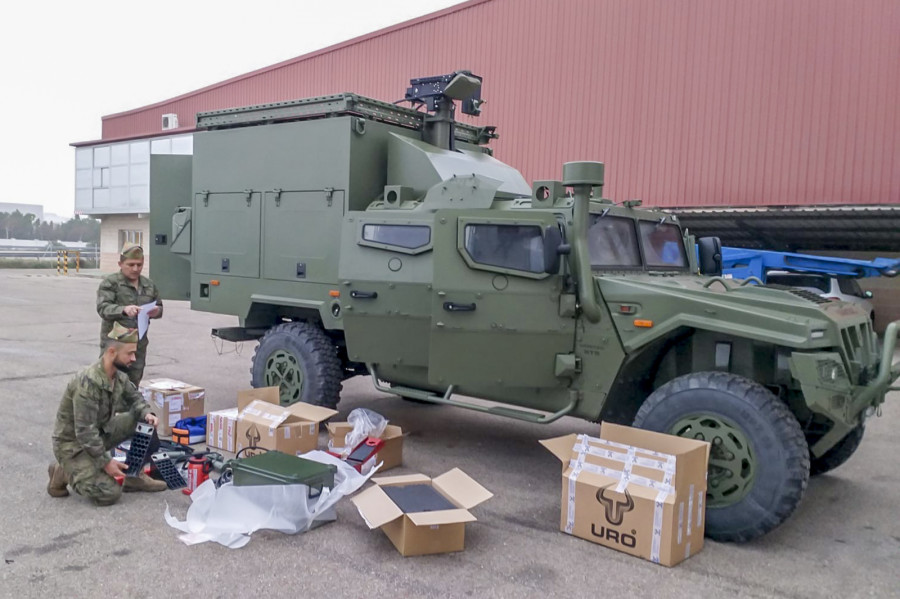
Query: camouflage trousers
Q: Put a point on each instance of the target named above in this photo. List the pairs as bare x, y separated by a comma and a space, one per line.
136, 372
84, 474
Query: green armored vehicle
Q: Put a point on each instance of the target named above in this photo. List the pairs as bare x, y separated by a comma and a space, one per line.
352, 236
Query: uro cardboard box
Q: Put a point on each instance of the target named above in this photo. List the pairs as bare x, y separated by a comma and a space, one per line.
173, 400
221, 426
390, 454
421, 515
263, 423
634, 490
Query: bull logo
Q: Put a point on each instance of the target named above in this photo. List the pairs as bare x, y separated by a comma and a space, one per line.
615, 510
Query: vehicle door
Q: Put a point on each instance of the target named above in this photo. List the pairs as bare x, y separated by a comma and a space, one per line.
495, 312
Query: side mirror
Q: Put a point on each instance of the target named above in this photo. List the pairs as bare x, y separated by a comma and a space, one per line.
710, 250
868, 294
553, 248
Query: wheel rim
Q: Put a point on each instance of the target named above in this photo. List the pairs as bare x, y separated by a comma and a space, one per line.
283, 371
732, 466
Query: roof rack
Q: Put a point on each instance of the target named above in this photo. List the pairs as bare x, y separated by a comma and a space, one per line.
335, 105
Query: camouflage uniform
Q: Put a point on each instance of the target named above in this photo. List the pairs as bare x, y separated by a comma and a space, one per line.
95, 415
114, 294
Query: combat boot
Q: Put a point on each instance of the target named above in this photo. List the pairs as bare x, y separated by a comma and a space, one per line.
143, 483
58, 485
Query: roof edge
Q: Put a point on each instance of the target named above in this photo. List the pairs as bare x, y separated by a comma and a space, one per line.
303, 57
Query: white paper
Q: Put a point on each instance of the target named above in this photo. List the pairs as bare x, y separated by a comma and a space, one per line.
229, 514
143, 319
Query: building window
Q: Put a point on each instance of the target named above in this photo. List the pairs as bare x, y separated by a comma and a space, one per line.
130, 236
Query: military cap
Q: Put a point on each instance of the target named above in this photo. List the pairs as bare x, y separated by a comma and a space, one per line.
123, 334
131, 251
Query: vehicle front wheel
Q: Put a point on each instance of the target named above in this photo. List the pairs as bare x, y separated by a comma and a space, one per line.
838, 454
759, 459
300, 359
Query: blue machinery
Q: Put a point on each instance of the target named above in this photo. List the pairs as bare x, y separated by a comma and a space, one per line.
742, 263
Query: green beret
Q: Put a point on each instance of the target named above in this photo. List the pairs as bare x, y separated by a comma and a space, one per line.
132, 251
123, 334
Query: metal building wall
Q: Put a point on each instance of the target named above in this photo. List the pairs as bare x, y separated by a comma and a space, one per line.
691, 103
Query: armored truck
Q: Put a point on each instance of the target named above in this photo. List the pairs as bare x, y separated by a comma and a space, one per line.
352, 236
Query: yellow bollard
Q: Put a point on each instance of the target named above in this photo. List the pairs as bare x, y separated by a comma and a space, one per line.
66, 262
58, 265
77, 261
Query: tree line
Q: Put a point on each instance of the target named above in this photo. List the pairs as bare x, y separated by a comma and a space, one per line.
15, 225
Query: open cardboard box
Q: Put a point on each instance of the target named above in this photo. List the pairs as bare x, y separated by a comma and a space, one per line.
172, 401
262, 422
426, 532
390, 455
633, 490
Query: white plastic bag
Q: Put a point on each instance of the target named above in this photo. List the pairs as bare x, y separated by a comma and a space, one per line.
229, 514
366, 423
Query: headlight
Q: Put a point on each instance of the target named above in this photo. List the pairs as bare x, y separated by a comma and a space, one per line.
830, 372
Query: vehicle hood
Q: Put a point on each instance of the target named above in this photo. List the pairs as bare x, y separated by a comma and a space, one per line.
668, 302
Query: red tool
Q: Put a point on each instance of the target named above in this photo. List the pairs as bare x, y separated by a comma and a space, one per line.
198, 468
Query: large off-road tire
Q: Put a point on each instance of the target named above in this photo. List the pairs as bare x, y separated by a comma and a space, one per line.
838, 454
759, 459
299, 358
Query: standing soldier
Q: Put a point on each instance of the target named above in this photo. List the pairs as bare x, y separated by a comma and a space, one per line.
119, 299
99, 410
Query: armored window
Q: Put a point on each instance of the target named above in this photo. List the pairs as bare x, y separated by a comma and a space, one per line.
663, 245
405, 236
517, 247
612, 242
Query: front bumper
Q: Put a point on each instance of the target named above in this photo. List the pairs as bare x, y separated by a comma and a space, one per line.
828, 388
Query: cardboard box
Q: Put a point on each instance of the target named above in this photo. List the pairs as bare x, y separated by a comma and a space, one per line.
173, 400
423, 532
391, 453
633, 490
221, 427
263, 423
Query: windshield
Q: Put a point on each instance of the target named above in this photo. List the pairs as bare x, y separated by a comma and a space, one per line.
663, 245
612, 242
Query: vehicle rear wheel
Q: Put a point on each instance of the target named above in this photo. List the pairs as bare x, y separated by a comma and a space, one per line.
300, 359
838, 454
759, 459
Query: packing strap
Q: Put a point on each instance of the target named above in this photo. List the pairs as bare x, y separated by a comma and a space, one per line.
664, 462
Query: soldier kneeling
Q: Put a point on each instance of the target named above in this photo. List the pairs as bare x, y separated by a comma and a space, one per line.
99, 410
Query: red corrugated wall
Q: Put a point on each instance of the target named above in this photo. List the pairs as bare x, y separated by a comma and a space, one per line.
689, 103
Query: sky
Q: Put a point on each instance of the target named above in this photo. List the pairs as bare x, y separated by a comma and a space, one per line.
64, 65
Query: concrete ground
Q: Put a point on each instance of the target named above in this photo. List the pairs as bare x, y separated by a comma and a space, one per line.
843, 541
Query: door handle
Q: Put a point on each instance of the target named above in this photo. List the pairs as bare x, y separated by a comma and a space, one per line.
452, 307
363, 294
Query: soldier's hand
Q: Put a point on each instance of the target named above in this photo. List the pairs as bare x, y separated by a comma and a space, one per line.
131, 311
151, 419
115, 468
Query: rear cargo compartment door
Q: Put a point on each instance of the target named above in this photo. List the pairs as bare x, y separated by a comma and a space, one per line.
170, 193
298, 234
227, 229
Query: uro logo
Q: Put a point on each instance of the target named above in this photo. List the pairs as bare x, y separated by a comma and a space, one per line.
615, 510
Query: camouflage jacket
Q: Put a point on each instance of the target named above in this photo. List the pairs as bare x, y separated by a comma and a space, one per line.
89, 402
116, 292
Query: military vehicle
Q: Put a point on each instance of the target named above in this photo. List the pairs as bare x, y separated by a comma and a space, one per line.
358, 237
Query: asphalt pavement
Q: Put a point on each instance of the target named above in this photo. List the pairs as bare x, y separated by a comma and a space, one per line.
843, 541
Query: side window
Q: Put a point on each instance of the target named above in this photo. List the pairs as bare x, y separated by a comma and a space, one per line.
410, 237
517, 247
